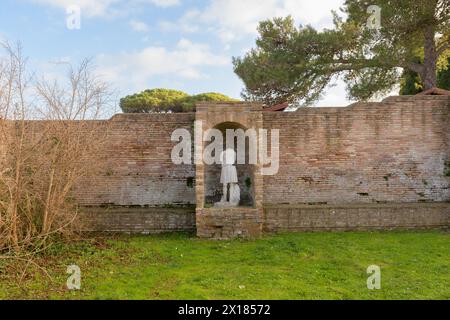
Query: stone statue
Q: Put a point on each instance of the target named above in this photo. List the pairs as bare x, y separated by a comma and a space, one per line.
228, 178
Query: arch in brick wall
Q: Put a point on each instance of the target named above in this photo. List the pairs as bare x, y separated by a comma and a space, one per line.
246, 172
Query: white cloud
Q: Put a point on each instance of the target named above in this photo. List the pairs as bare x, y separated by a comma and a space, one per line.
139, 26
185, 24
165, 3
134, 70
93, 8
233, 19
229, 20
89, 8
335, 95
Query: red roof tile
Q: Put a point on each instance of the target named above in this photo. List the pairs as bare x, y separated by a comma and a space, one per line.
434, 91
278, 107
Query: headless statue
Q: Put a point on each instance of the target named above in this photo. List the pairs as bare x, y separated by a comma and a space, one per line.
228, 178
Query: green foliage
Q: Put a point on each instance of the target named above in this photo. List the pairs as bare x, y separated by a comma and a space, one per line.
447, 168
190, 182
248, 182
189, 102
155, 100
443, 79
412, 84
289, 266
166, 100
295, 64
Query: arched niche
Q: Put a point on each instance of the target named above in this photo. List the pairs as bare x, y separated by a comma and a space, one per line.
245, 172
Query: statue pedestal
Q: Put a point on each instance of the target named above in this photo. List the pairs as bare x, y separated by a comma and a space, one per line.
224, 205
229, 222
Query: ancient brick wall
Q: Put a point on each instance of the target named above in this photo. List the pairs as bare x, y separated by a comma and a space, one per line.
139, 168
228, 223
369, 165
296, 218
138, 219
394, 151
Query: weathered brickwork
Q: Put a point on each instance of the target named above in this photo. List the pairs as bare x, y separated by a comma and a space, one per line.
219, 223
140, 170
393, 151
295, 218
366, 166
138, 220
247, 223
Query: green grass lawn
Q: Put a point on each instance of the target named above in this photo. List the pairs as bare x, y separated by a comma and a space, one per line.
414, 265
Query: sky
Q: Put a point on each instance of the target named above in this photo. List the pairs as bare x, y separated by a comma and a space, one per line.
140, 44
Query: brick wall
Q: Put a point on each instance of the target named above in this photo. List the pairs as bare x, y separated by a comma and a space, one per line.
295, 218
220, 223
138, 220
139, 168
340, 168
393, 151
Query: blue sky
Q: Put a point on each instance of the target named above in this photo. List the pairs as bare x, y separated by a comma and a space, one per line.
140, 44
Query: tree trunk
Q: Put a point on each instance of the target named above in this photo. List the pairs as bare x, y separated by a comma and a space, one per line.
45, 224
430, 59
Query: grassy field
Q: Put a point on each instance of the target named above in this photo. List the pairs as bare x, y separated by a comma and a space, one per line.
414, 265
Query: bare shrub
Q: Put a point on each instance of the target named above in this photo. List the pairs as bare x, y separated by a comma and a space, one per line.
43, 159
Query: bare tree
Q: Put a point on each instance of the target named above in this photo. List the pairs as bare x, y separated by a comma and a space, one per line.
42, 160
